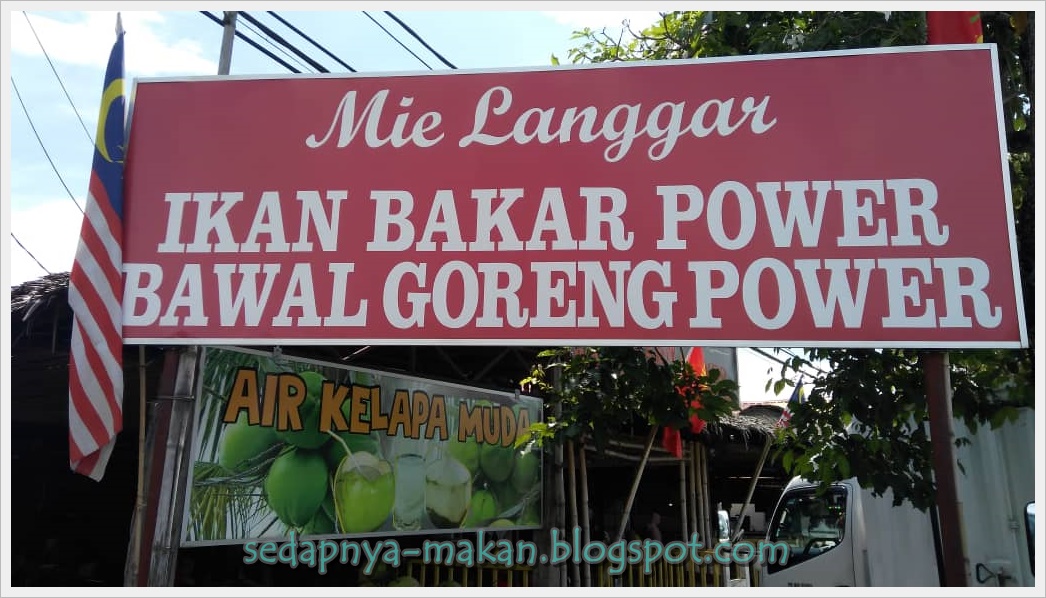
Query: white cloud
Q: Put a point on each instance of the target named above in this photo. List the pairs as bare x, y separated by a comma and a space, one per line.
87, 42
611, 19
50, 230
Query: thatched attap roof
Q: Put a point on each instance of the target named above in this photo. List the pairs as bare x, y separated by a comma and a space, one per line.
29, 296
758, 421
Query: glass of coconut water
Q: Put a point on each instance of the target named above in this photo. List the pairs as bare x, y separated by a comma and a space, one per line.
409, 464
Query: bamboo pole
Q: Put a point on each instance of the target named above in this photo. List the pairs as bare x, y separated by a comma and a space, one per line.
560, 499
699, 507
586, 527
683, 510
707, 498
692, 488
575, 569
751, 490
140, 502
635, 482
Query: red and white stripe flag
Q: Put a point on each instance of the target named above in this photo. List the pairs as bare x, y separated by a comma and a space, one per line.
96, 290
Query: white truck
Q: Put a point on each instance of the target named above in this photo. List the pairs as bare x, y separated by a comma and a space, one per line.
848, 537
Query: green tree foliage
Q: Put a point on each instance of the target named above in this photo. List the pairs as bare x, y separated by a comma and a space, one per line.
866, 415
602, 389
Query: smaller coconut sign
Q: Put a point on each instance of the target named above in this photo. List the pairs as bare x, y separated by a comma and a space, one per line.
285, 444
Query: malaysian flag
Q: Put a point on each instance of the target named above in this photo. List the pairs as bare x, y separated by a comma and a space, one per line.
798, 396
96, 290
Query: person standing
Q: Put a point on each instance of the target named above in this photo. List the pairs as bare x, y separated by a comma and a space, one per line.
653, 529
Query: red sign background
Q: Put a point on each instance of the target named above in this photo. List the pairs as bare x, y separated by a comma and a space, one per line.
903, 147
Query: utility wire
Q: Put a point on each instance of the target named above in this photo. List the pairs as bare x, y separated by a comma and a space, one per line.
42, 146
780, 361
253, 43
30, 253
404, 46
279, 39
57, 76
310, 40
274, 45
419, 38
816, 368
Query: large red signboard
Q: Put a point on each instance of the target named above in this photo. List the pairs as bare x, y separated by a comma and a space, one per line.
831, 199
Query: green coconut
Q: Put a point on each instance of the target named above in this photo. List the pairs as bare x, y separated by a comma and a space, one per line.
309, 437
496, 461
296, 486
243, 442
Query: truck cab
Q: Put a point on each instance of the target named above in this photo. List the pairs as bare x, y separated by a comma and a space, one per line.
847, 536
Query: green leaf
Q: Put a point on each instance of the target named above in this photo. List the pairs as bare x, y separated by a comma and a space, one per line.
786, 461
555, 60
844, 467
779, 386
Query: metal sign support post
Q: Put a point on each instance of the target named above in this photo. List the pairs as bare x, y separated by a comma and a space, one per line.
942, 436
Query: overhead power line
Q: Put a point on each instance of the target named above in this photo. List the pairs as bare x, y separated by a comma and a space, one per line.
419, 38
782, 362
397, 40
279, 39
275, 46
30, 253
253, 43
57, 76
42, 146
310, 40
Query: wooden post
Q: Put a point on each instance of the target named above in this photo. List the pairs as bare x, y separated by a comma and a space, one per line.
140, 502
575, 569
942, 441
561, 516
635, 483
683, 510
167, 471
712, 533
586, 527
734, 537
695, 504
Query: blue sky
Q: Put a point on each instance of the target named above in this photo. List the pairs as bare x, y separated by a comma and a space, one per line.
39, 210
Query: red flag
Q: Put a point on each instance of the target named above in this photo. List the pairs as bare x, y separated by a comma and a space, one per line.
696, 358
96, 291
671, 439
953, 27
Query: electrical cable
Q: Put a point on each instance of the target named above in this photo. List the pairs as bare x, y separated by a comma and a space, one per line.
57, 76
279, 39
419, 38
779, 361
30, 253
42, 146
253, 43
397, 40
310, 40
274, 45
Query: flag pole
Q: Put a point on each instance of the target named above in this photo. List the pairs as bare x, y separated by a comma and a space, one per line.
140, 503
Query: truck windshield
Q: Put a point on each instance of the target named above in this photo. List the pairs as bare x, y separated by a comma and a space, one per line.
809, 523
